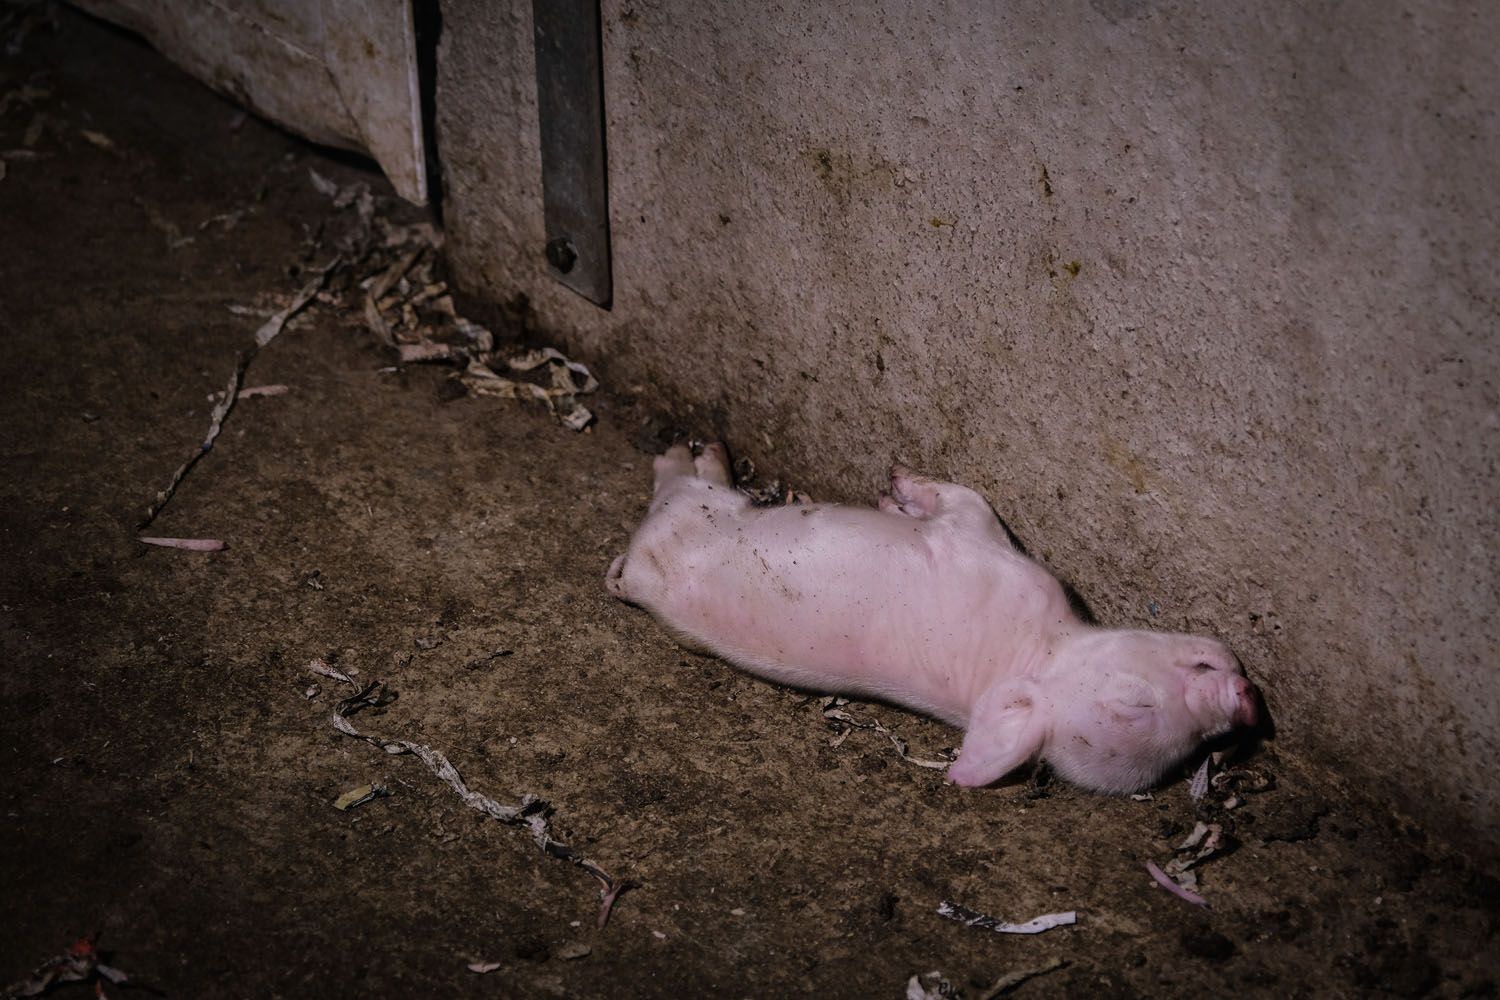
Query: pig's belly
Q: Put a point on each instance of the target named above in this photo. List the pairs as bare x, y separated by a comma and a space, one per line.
854, 600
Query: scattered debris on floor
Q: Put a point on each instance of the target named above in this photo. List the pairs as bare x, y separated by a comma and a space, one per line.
267, 332
168, 228
215, 424
272, 327
565, 380
1177, 876
610, 890
1198, 787
407, 306
531, 812
254, 391
1242, 780
483, 967
228, 220
80, 963
1011, 980
1036, 925
1206, 840
356, 797
322, 669
1165, 881
191, 544
392, 271
772, 494
930, 986
571, 951
832, 708
396, 285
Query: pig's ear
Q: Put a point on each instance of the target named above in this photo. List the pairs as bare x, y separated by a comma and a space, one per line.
1005, 731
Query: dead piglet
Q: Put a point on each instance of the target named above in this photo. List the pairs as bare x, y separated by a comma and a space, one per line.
923, 601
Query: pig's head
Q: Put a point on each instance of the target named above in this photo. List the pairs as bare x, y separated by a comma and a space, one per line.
1131, 705
1113, 712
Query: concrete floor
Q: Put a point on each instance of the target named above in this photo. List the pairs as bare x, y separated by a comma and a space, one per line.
169, 783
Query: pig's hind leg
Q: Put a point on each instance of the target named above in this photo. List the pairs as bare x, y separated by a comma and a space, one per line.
913, 495
902, 496
935, 500
670, 470
645, 572
919, 497
675, 464
628, 577
713, 464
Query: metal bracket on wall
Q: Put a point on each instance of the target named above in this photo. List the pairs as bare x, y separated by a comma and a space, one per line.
570, 106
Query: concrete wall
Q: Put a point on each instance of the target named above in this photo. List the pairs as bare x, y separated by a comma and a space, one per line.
1203, 297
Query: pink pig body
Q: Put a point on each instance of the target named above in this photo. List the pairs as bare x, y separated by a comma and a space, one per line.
924, 602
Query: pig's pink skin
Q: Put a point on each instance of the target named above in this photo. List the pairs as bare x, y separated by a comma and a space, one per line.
925, 603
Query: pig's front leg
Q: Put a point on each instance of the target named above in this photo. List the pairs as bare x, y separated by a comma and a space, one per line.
1007, 727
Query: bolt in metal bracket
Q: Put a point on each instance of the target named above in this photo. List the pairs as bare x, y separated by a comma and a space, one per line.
570, 109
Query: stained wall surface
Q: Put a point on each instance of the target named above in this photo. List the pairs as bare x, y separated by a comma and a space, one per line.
1202, 297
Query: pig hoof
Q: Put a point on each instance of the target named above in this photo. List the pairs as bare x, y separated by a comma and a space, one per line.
676, 463
713, 464
891, 505
910, 495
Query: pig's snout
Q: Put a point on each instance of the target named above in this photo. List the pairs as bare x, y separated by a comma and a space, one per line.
1223, 700
1246, 712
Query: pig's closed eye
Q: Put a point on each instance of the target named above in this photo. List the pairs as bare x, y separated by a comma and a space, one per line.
1202, 667
1129, 711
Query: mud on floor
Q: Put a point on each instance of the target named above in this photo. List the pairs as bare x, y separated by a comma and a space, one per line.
171, 776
